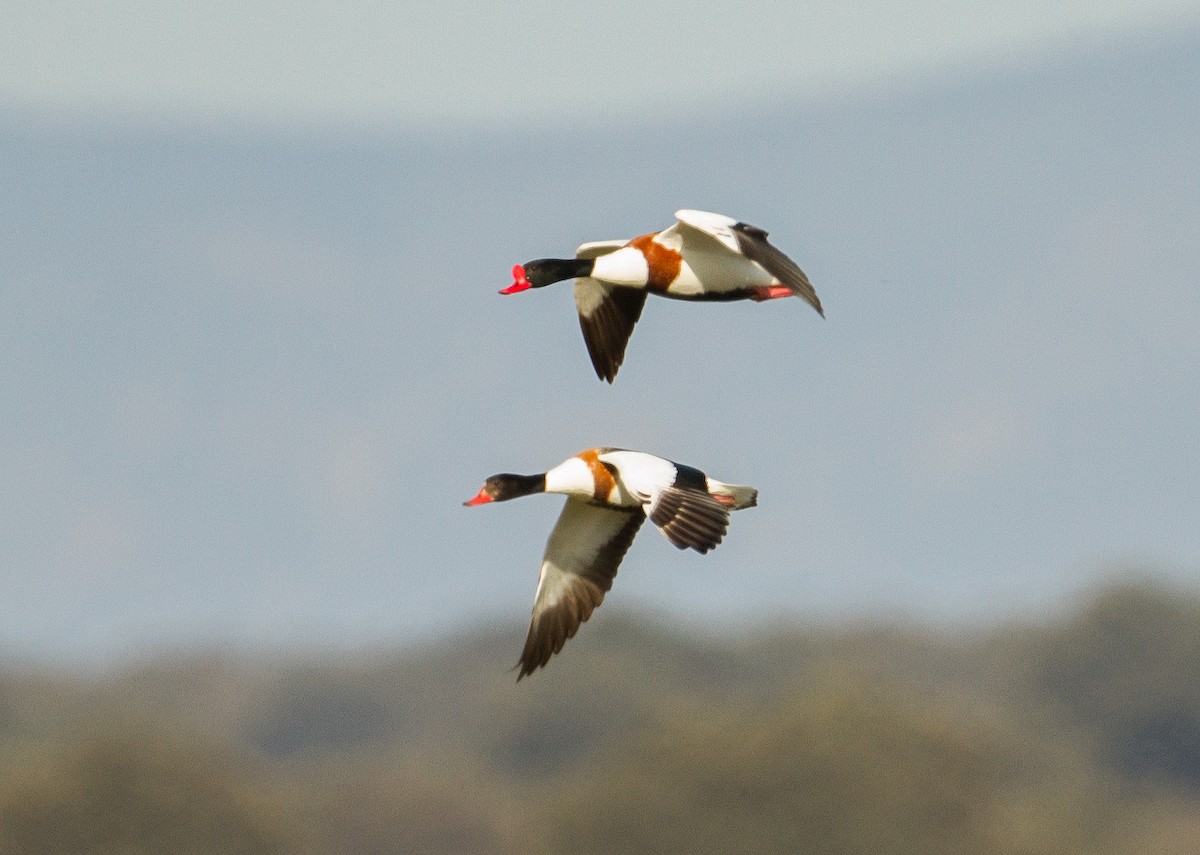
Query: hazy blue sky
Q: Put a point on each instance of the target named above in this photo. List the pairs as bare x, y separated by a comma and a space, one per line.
463, 61
253, 359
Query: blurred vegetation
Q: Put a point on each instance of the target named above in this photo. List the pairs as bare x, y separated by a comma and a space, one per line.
1080, 734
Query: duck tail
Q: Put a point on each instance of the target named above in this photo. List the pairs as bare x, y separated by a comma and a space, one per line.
733, 496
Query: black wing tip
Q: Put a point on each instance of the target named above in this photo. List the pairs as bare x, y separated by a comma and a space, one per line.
530, 661
691, 519
703, 548
605, 363
606, 330
755, 246
750, 231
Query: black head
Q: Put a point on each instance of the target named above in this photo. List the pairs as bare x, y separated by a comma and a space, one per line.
500, 488
546, 271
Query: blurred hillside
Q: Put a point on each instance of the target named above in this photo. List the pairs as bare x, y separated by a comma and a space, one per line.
1077, 735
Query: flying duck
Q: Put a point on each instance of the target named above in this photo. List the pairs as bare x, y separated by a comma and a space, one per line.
610, 492
702, 257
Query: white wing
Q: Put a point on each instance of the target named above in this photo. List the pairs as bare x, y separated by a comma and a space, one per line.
716, 226
581, 560
643, 476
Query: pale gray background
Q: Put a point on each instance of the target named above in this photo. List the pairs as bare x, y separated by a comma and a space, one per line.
252, 359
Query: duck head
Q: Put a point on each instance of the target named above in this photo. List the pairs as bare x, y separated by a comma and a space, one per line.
505, 486
546, 271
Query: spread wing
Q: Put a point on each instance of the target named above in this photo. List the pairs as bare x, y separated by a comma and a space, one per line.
607, 313
689, 518
581, 560
676, 497
750, 242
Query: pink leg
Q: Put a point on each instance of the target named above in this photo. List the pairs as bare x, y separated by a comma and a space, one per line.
771, 292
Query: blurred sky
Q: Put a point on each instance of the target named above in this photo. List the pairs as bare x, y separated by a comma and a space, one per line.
465, 63
253, 359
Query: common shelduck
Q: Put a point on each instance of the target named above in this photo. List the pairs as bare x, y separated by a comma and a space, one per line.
702, 257
609, 493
